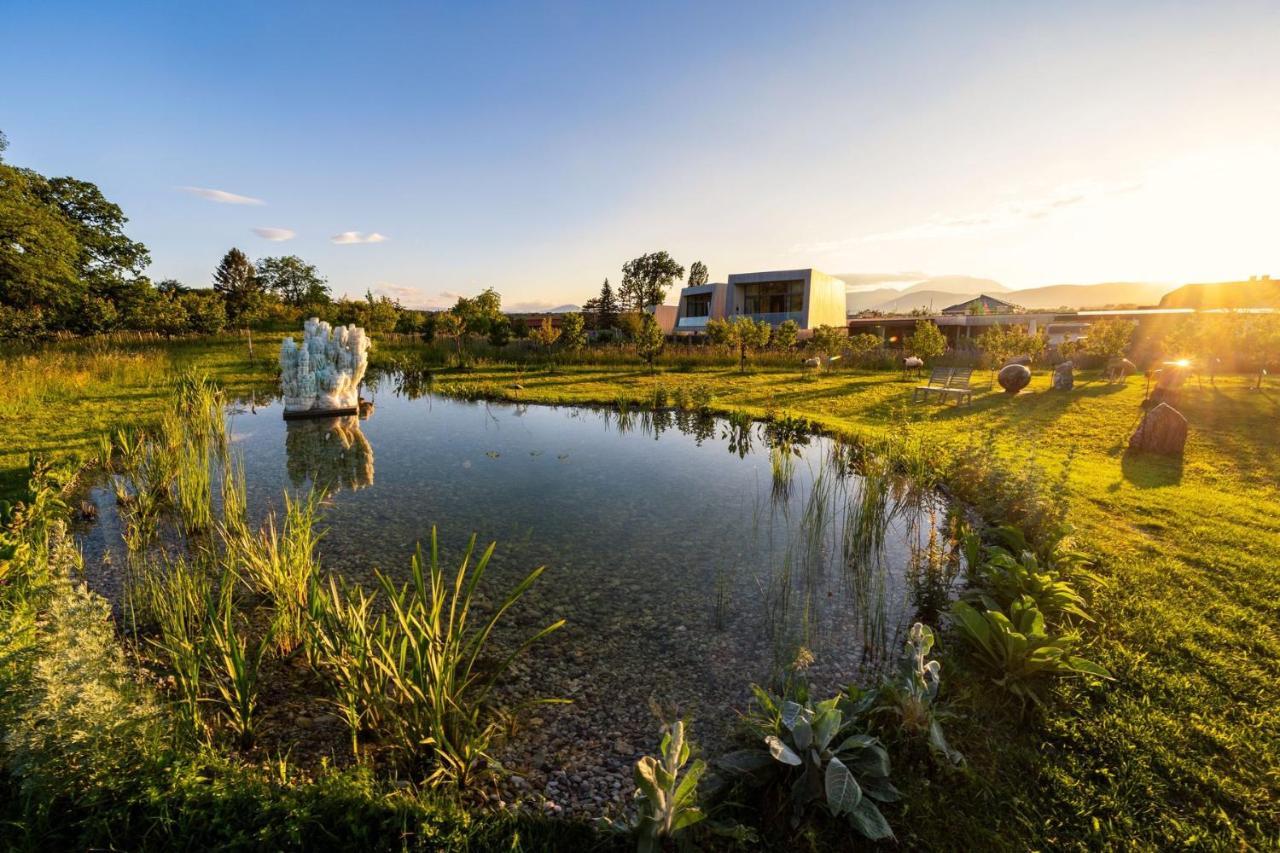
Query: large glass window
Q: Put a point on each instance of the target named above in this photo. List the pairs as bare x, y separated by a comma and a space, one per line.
698, 305
774, 297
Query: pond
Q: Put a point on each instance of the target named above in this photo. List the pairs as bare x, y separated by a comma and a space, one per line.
690, 555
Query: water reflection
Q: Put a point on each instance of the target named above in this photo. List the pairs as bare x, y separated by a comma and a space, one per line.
330, 453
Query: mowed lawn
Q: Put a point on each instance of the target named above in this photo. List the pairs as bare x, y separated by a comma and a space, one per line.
1182, 749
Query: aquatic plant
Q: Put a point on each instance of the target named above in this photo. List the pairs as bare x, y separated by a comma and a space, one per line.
666, 792
279, 562
815, 753
344, 640
235, 661
438, 694
178, 598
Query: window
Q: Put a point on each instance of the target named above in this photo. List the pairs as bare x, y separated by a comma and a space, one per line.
698, 305
774, 297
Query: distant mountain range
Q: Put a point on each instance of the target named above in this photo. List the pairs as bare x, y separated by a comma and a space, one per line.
938, 292
1256, 293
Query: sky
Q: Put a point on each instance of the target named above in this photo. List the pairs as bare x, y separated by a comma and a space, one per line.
425, 151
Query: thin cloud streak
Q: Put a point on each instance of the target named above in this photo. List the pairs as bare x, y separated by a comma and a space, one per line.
347, 238
221, 196
413, 297
275, 235
1002, 216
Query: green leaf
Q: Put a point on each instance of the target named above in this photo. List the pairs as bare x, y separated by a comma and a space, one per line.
825, 728
866, 818
843, 793
745, 761
1089, 667
791, 713
802, 734
781, 752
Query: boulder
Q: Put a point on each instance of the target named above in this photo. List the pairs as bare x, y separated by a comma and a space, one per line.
1063, 377
1014, 377
1163, 430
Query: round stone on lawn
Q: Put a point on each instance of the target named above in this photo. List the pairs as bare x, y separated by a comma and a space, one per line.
1014, 377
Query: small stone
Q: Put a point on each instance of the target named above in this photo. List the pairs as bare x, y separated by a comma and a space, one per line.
623, 748
302, 721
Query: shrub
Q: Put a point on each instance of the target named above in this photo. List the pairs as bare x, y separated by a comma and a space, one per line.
666, 799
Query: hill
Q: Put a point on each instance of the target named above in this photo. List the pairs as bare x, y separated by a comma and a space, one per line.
1255, 293
1089, 295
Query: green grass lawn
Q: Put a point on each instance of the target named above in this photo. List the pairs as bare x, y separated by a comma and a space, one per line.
1182, 749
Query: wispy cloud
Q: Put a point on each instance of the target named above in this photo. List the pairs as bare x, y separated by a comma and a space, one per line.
350, 237
221, 196
415, 297
275, 235
997, 217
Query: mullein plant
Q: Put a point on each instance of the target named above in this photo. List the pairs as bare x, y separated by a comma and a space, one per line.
667, 791
911, 695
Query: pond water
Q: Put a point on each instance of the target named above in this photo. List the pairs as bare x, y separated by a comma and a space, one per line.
690, 555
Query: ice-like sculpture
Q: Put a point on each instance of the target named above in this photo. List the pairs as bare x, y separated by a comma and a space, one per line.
322, 376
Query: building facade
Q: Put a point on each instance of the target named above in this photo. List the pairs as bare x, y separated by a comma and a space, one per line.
809, 297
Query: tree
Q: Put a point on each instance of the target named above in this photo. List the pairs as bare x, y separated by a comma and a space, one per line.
38, 251
546, 336
158, 312
649, 340
4, 145
479, 312
746, 334
573, 331
697, 273
645, 280
108, 261
237, 281
500, 332
449, 325
717, 331
606, 308
928, 342
829, 340
861, 344
293, 280
1109, 337
786, 335
381, 313
206, 312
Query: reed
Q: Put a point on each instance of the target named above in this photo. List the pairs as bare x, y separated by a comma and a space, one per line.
235, 662
279, 562
443, 721
177, 598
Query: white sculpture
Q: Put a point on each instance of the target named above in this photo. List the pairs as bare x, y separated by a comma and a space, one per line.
323, 375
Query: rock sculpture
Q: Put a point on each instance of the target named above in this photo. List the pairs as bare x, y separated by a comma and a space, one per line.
1163, 430
322, 376
1014, 377
1064, 377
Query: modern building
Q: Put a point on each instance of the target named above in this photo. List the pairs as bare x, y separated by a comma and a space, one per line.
809, 297
983, 305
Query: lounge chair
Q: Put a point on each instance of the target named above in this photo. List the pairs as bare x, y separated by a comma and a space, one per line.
937, 384
958, 387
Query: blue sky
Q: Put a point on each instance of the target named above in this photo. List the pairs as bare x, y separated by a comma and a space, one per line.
536, 147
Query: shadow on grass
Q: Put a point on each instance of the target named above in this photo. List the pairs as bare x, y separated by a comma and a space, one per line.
1150, 471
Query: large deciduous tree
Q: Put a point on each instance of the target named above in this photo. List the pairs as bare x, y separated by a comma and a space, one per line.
645, 280
38, 250
293, 280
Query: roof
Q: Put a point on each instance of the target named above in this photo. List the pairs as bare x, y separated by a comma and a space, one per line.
983, 304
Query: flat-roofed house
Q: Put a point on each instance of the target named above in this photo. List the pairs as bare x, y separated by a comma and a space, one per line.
809, 297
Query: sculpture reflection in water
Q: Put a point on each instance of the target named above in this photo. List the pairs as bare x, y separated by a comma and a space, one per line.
331, 453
